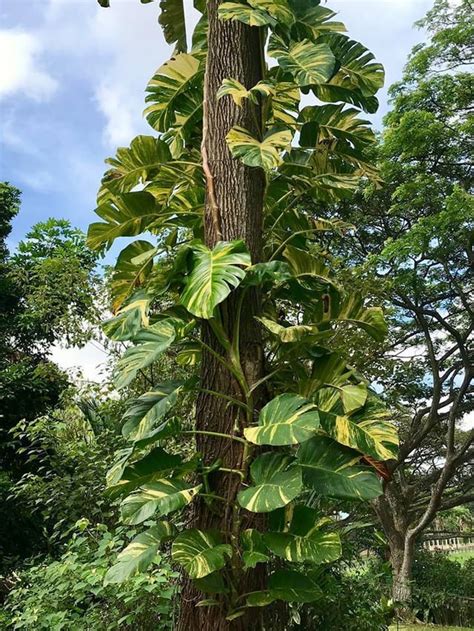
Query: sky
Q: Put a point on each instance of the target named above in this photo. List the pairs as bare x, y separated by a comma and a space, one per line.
72, 80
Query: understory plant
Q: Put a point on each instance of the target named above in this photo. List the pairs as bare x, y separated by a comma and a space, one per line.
249, 302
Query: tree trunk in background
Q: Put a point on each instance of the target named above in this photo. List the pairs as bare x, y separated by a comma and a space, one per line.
392, 511
234, 210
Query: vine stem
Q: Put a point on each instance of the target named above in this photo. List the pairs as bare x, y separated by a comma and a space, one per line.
216, 434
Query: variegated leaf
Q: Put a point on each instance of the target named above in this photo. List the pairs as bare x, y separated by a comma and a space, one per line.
286, 420
277, 482
334, 471
200, 552
164, 496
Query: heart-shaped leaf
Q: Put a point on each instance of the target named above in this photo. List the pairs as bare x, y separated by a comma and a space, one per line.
334, 471
200, 552
277, 482
287, 420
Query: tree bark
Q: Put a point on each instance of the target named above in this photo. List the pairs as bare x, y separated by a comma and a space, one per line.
392, 511
234, 210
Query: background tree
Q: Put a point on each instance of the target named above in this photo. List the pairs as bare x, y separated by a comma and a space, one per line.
252, 301
47, 296
416, 233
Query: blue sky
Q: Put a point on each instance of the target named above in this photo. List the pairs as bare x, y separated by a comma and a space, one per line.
72, 79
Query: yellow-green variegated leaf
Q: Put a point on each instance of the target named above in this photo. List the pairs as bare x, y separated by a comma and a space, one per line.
353, 397
359, 436
125, 476
357, 70
254, 550
126, 215
266, 154
303, 263
133, 267
348, 133
135, 165
213, 275
278, 9
286, 420
238, 92
139, 554
150, 344
144, 415
169, 88
277, 481
313, 19
200, 552
164, 496
334, 471
129, 319
304, 539
309, 63
245, 13
369, 319
288, 334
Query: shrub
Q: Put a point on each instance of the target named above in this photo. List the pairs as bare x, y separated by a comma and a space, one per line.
441, 589
69, 593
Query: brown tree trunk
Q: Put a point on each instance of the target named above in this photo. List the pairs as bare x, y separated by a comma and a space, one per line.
234, 209
392, 511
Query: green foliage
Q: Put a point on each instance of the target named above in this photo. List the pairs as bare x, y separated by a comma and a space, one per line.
69, 592
165, 289
442, 589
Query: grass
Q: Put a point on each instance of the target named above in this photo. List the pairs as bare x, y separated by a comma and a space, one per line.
461, 557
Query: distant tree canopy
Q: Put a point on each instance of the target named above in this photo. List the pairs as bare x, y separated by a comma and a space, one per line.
47, 296
413, 243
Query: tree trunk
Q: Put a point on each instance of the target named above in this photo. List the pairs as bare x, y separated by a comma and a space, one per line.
234, 209
392, 511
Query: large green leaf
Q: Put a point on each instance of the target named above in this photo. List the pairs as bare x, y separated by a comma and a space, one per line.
369, 319
309, 63
124, 215
169, 87
150, 344
291, 586
333, 471
173, 22
126, 476
200, 552
367, 437
278, 9
304, 539
139, 553
245, 13
353, 397
129, 319
302, 263
277, 482
357, 69
143, 416
265, 154
133, 267
337, 131
312, 19
286, 420
253, 548
136, 164
214, 273
164, 496
358, 77
289, 334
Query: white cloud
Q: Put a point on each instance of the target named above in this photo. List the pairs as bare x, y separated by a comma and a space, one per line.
20, 66
90, 360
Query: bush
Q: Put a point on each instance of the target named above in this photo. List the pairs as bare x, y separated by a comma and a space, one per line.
441, 589
354, 599
68, 593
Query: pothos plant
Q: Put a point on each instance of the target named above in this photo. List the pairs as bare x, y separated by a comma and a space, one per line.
322, 431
